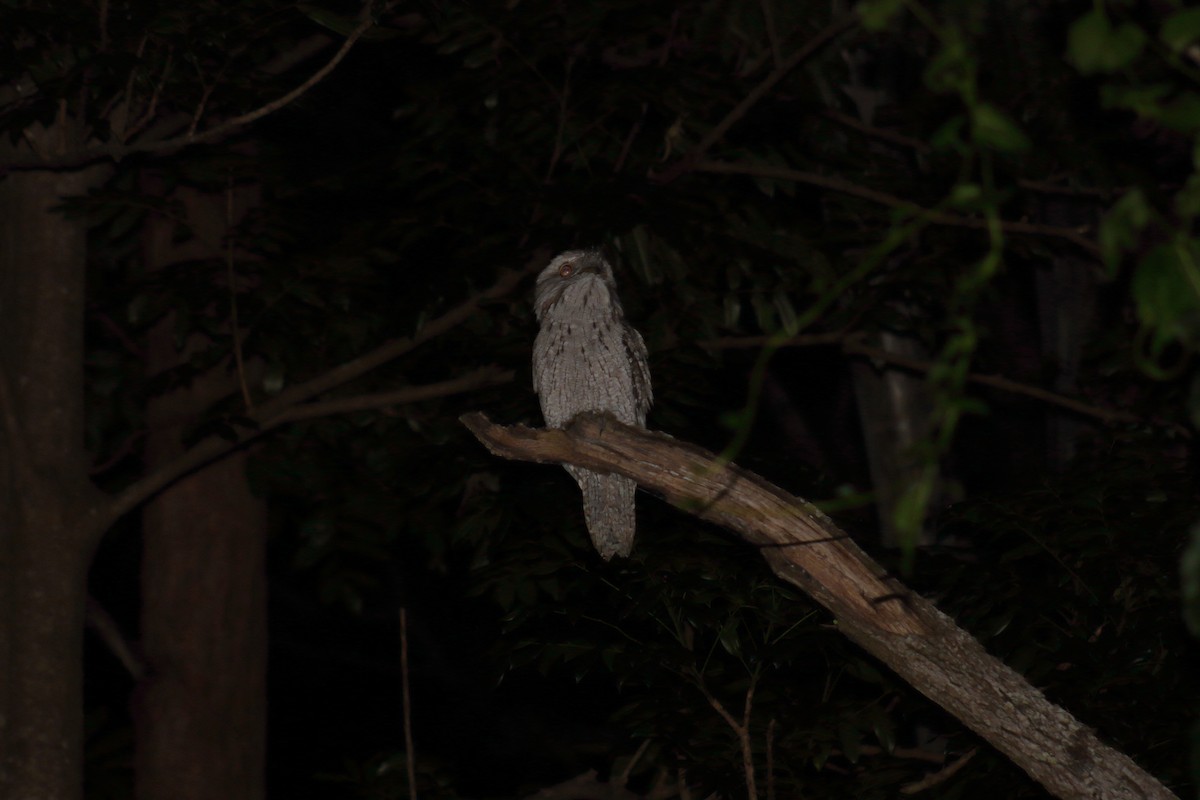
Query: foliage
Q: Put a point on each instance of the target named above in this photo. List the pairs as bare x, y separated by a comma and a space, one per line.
473, 134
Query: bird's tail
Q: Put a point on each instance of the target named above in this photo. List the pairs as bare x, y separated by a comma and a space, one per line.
608, 509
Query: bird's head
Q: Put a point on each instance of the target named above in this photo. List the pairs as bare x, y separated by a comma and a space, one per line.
568, 270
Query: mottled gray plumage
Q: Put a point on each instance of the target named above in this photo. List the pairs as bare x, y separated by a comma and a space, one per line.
587, 358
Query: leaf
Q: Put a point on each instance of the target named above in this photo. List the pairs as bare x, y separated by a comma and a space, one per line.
1182, 113
951, 70
1181, 29
1166, 290
732, 310
344, 25
1144, 100
949, 135
965, 196
876, 14
1120, 228
1187, 199
729, 638
1095, 46
991, 128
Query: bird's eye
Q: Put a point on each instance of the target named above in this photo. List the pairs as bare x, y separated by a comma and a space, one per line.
567, 269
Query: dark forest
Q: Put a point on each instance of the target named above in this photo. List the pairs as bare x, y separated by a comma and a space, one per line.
919, 284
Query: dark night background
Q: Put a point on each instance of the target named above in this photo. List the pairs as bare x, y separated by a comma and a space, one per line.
939, 276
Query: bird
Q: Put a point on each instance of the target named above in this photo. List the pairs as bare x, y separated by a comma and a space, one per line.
586, 357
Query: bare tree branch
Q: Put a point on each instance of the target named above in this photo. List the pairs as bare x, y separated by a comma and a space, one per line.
853, 345
877, 133
756, 94
118, 149
283, 407
905, 631
479, 379
1074, 235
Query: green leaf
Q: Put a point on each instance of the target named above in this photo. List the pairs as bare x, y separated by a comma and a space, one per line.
965, 195
1166, 290
1181, 29
949, 135
1121, 227
952, 69
1182, 113
1187, 199
729, 638
991, 128
1144, 100
876, 14
733, 310
1095, 46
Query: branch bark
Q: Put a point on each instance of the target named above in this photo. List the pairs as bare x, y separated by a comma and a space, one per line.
902, 629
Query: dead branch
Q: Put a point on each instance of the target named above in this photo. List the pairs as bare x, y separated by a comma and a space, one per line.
905, 631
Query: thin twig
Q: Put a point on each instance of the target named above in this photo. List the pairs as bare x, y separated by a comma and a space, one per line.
800, 340
771, 759
119, 150
561, 127
623, 778
1108, 415
1074, 235
772, 33
277, 410
479, 379
852, 344
234, 327
117, 643
756, 94
940, 776
1072, 191
103, 13
409, 753
198, 114
152, 106
878, 133
124, 449
740, 729
628, 143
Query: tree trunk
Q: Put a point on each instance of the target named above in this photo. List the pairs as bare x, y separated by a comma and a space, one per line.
50, 518
200, 716
899, 627
201, 713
